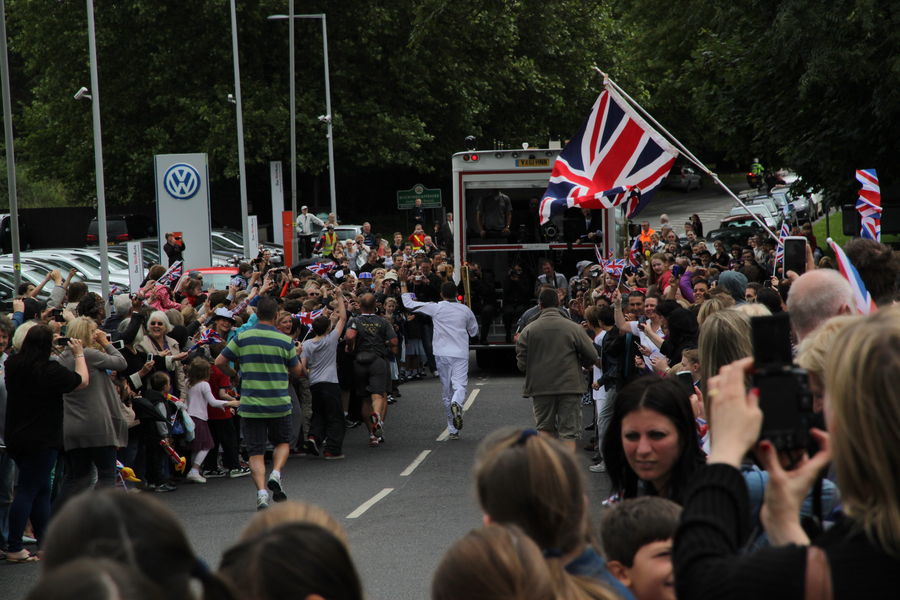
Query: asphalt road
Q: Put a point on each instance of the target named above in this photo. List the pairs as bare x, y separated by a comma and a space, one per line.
421, 508
710, 202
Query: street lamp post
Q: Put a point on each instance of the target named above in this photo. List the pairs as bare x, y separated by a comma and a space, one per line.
240, 134
98, 154
326, 118
10, 153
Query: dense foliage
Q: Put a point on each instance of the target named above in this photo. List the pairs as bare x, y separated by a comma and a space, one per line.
807, 84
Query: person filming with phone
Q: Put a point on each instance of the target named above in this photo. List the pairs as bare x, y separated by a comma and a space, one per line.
859, 556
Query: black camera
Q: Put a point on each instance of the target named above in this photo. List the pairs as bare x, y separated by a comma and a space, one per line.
57, 315
784, 394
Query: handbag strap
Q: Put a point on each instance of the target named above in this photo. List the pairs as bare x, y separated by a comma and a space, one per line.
818, 575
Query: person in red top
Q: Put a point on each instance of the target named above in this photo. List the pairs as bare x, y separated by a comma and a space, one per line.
417, 238
221, 426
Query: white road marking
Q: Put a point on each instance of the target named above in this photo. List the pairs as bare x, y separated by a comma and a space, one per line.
444, 435
472, 395
369, 503
418, 461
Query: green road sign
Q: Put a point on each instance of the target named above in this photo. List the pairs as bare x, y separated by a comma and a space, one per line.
407, 198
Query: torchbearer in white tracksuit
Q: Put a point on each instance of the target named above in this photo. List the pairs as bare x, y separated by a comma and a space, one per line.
454, 324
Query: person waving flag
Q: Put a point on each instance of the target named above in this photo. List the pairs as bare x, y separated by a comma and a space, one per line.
868, 204
616, 157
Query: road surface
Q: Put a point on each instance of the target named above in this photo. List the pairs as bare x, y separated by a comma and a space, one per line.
403, 504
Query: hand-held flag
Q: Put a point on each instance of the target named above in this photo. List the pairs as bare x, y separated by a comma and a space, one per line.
615, 157
864, 303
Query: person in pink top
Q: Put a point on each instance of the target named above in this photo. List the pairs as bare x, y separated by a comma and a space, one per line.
199, 398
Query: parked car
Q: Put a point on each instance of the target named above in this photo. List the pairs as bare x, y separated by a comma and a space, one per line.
683, 178
122, 228
738, 216
738, 234
217, 277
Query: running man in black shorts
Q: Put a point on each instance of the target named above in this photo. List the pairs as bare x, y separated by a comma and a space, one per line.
373, 338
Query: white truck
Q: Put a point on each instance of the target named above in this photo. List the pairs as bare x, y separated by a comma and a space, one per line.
481, 180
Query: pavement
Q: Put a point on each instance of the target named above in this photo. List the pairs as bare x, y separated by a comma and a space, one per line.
402, 504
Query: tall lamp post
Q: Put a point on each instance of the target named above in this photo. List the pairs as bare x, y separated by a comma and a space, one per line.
98, 154
10, 153
245, 224
326, 118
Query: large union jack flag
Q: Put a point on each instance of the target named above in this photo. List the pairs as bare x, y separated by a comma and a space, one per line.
615, 157
869, 204
865, 304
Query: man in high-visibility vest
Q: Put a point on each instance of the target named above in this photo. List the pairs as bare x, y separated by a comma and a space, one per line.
328, 241
756, 168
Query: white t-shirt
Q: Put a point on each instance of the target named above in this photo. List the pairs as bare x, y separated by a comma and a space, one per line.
598, 395
645, 341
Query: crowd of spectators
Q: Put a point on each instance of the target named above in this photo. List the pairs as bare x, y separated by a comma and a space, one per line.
662, 350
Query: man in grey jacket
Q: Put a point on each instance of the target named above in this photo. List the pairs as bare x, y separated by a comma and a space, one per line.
551, 351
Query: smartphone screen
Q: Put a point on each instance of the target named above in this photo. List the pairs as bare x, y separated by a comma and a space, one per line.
795, 254
62, 341
118, 344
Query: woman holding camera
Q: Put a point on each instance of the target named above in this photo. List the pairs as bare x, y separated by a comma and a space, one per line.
859, 557
94, 424
34, 428
651, 447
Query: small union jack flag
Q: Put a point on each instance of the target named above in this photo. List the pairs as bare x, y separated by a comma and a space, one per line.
172, 275
868, 204
615, 157
614, 266
210, 336
635, 252
307, 318
779, 251
321, 269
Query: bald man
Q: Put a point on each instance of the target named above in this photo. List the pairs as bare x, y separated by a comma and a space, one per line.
815, 297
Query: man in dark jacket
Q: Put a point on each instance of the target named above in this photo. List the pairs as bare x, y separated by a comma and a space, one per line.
174, 248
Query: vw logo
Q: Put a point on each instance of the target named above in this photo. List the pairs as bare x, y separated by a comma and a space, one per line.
182, 181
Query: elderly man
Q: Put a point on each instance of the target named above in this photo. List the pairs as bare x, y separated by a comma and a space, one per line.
815, 297
551, 351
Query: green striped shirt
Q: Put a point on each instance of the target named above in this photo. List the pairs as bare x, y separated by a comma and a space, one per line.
264, 355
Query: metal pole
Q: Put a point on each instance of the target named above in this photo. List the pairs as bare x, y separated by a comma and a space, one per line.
248, 252
330, 118
293, 133
10, 152
98, 155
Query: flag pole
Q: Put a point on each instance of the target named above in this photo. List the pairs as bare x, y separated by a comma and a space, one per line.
687, 153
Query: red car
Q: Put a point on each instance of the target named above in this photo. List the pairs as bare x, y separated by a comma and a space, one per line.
217, 277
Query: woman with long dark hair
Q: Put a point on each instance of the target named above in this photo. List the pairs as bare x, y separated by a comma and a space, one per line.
34, 428
651, 446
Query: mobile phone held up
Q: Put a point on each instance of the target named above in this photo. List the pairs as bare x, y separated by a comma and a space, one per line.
62, 341
795, 254
784, 395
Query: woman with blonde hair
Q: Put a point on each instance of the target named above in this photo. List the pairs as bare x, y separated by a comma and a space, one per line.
94, 422
531, 480
813, 351
724, 338
859, 557
292, 511
713, 304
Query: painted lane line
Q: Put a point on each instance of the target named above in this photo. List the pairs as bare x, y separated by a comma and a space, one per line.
418, 461
471, 399
444, 435
369, 503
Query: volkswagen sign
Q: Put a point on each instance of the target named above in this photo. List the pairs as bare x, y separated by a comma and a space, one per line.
182, 181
